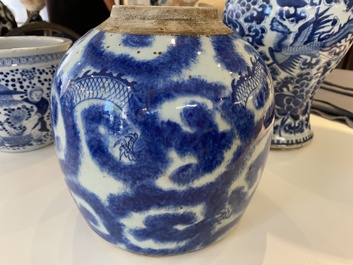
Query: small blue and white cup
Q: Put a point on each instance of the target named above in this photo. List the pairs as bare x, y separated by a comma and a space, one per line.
27, 66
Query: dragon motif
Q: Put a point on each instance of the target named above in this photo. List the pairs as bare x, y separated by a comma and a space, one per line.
248, 84
126, 146
309, 40
100, 85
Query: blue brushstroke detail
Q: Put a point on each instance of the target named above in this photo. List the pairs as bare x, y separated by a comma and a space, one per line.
224, 45
307, 39
128, 140
137, 41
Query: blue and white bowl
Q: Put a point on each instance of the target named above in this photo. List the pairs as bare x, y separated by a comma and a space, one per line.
162, 133
27, 66
301, 42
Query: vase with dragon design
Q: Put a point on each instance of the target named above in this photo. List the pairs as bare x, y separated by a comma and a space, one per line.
162, 122
27, 66
301, 42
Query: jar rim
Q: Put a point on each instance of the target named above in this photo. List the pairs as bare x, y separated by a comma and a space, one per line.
130, 12
164, 20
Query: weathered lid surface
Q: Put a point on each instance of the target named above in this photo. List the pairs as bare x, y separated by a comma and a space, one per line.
164, 20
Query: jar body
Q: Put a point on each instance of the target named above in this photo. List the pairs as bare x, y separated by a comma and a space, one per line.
162, 138
301, 41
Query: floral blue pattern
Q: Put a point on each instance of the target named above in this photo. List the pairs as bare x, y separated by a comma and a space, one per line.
301, 42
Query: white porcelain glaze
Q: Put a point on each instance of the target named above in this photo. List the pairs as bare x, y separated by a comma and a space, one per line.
162, 120
302, 41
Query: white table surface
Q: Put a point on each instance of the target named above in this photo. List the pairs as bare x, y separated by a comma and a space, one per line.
301, 213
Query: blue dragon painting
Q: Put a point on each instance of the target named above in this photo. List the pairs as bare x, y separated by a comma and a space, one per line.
301, 42
162, 142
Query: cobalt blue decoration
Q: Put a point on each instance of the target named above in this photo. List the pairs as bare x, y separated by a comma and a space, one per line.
162, 121
27, 66
301, 42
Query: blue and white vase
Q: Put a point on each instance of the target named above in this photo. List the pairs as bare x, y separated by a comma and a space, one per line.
162, 121
301, 42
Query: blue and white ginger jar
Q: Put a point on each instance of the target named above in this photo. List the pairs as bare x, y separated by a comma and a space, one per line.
162, 122
301, 42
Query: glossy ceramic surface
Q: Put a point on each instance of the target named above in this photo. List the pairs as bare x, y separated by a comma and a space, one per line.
162, 138
301, 41
27, 66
